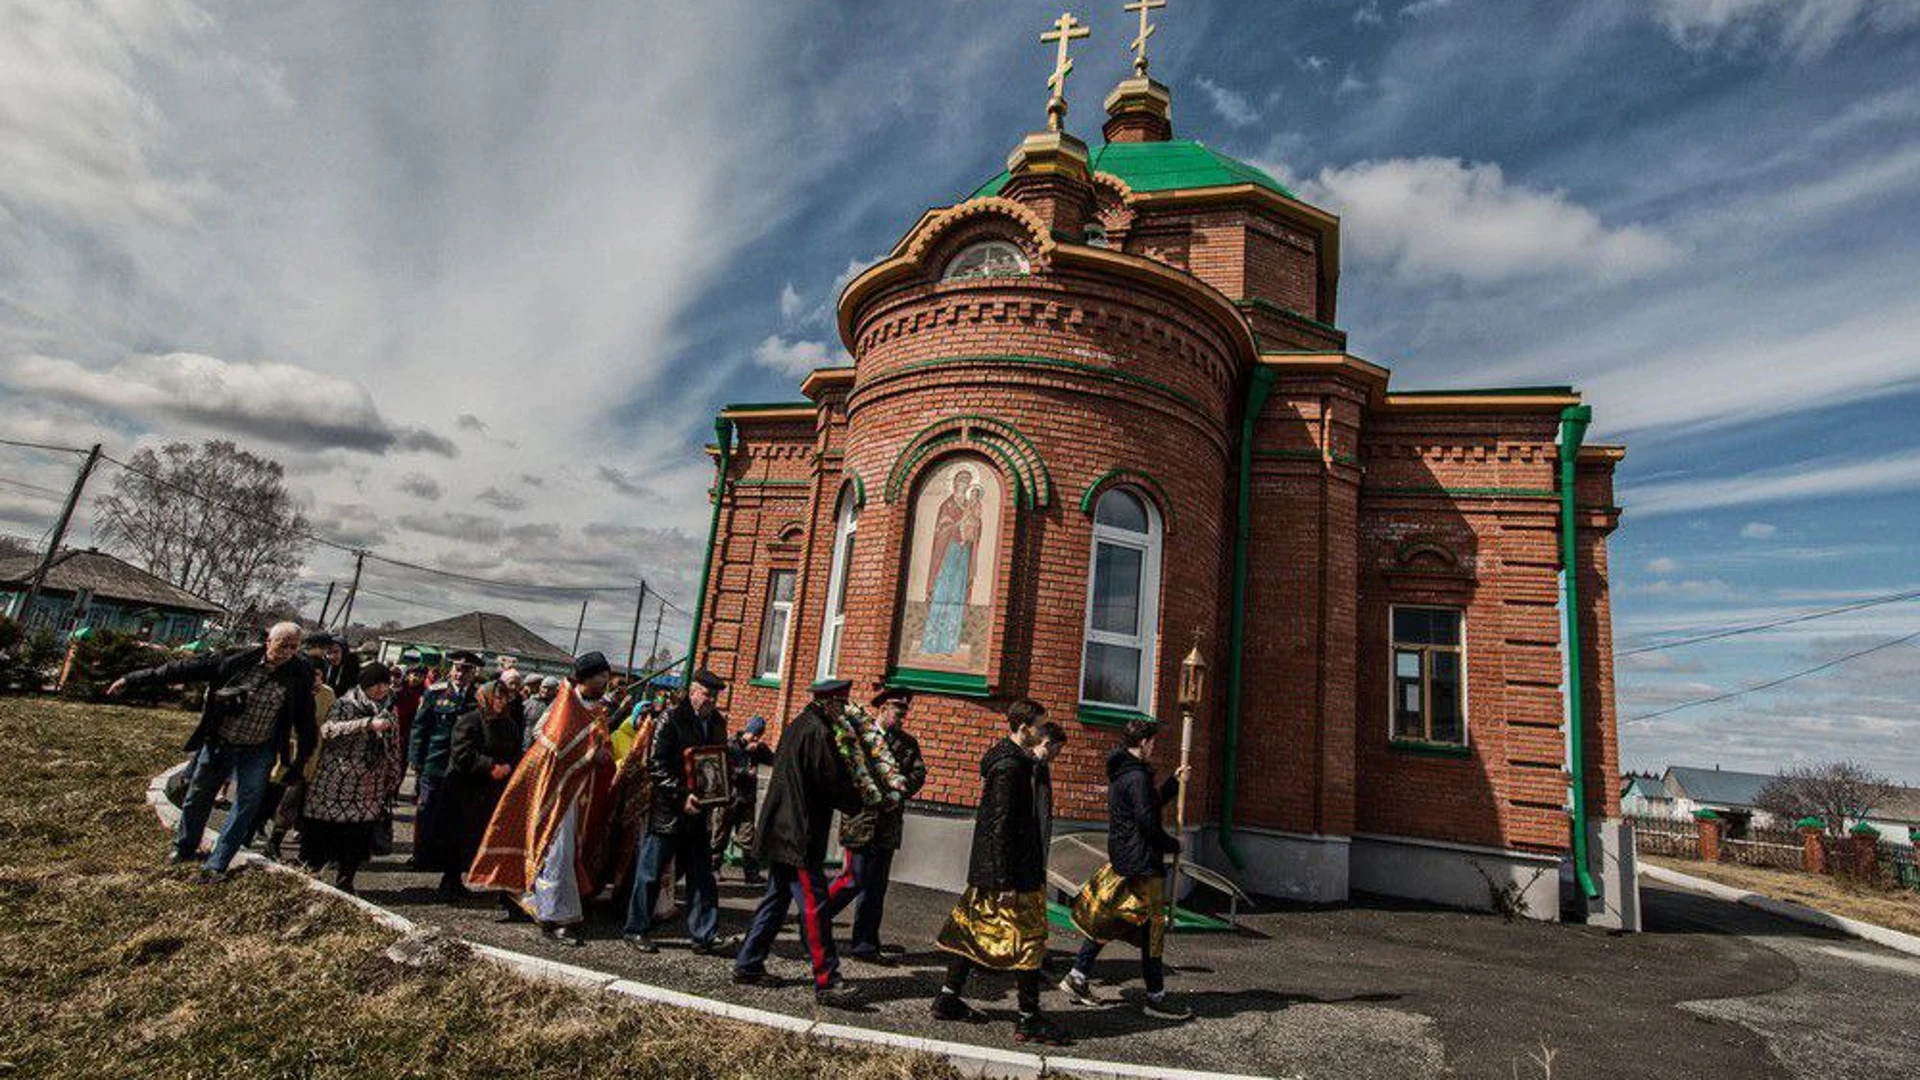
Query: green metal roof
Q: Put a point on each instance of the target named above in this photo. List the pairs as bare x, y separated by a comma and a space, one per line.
1165, 166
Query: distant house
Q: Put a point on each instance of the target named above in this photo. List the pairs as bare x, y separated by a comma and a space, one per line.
1898, 815
94, 589
1646, 796
1731, 794
491, 636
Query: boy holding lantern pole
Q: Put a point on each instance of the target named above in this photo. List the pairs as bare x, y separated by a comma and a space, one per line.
1125, 900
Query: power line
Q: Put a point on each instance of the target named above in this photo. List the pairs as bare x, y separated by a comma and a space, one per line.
33, 488
44, 446
389, 560
1891, 598
1770, 684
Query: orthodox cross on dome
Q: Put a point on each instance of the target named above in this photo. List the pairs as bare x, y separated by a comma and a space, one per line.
1065, 29
1139, 45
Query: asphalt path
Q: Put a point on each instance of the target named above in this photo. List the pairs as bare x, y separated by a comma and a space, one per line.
1376, 988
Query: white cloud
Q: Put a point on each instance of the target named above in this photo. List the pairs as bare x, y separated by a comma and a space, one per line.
274, 402
1663, 566
790, 302
1827, 478
1231, 105
797, 357
1434, 218
1424, 7
1805, 28
1758, 530
1368, 14
1314, 64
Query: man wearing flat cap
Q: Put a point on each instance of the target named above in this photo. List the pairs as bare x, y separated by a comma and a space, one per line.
677, 841
810, 781
430, 750
871, 836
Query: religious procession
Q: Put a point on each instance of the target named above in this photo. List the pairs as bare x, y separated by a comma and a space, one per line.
560, 797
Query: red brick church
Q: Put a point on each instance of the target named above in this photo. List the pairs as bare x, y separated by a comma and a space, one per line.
1101, 410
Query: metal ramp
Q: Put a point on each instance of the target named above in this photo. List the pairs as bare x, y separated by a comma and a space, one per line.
1074, 858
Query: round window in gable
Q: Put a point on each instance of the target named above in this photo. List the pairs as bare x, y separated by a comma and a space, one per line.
988, 258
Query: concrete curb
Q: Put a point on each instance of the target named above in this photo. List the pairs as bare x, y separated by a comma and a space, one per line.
970, 1060
1787, 909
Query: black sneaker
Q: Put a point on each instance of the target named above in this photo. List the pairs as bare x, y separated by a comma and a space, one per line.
950, 1007
749, 976
1079, 990
511, 912
640, 943
838, 994
563, 935
717, 946
174, 858
872, 956
1038, 1028
1161, 1007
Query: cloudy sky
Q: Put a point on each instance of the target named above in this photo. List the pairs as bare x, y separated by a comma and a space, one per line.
480, 274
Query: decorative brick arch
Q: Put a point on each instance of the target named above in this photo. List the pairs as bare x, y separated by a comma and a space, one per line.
1133, 478
995, 438
927, 239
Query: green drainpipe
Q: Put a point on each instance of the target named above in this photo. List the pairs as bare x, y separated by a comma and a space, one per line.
1257, 390
1573, 428
723, 435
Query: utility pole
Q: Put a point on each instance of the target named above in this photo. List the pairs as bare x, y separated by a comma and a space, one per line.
658, 614
59, 534
579, 626
633, 641
353, 590
327, 603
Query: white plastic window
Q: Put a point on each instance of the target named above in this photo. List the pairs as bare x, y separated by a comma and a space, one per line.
1123, 603
846, 524
775, 624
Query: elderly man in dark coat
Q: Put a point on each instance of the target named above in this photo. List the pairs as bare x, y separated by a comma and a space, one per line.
677, 840
871, 836
255, 697
810, 781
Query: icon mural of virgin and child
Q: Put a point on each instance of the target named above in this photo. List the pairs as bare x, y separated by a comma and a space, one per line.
956, 542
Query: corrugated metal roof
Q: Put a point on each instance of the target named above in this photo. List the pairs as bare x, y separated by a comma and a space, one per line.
1723, 787
1165, 166
106, 577
481, 631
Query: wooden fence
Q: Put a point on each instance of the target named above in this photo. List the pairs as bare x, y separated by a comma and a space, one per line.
1779, 855
1665, 836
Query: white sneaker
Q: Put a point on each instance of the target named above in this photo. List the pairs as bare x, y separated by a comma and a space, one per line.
1079, 990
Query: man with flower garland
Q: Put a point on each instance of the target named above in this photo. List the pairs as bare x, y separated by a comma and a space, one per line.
810, 781
873, 835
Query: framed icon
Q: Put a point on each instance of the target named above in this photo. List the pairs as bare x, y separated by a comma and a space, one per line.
708, 778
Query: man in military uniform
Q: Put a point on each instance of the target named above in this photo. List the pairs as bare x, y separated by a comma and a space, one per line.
873, 835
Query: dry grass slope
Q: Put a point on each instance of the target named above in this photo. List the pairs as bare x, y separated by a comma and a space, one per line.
1895, 909
112, 965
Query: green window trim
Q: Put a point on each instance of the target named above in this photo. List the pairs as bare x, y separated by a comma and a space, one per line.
938, 682
1108, 716
766, 683
1033, 484
1121, 478
1423, 748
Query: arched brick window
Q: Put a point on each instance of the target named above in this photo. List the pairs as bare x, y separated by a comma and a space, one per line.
987, 258
846, 522
1123, 602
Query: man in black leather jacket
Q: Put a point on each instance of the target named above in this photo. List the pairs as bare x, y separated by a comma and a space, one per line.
254, 698
677, 827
